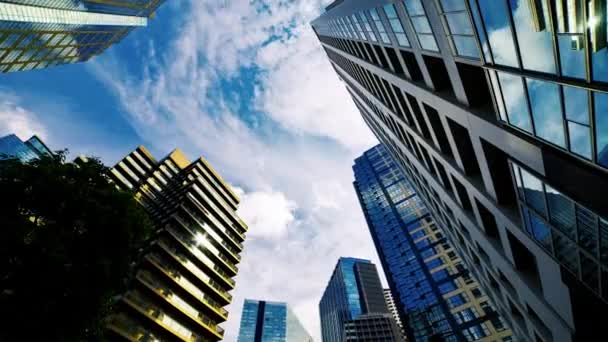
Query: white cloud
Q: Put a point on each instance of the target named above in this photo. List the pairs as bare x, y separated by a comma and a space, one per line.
16, 119
294, 164
268, 214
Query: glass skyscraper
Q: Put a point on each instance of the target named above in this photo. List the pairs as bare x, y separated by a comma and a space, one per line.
354, 292
185, 276
496, 112
13, 147
434, 292
264, 321
37, 34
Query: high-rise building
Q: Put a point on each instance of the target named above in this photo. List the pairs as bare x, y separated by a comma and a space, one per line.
37, 34
390, 304
434, 292
354, 289
13, 147
495, 111
373, 327
184, 278
264, 321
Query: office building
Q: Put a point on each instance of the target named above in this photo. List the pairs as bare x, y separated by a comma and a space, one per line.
495, 111
264, 321
36, 34
390, 304
353, 291
434, 292
13, 147
184, 279
374, 327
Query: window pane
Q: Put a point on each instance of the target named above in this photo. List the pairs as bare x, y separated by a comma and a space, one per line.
452, 5
402, 39
515, 101
536, 48
601, 127
396, 25
414, 7
572, 55
498, 95
540, 231
587, 229
496, 19
580, 139
421, 24
466, 46
577, 104
533, 189
604, 242
459, 23
561, 212
566, 252
427, 41
546, 111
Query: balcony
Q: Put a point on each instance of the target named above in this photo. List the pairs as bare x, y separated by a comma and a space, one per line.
233, 236
194, 244
129, 329
192, 268
217, 211
155, 314
163, 291
185, 284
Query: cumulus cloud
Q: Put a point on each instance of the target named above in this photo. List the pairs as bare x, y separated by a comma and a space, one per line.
293, 164
14, 118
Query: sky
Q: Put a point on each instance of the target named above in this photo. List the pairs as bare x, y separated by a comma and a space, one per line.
246, 84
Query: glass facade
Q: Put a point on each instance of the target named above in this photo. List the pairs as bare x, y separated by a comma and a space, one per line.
433, 290
186, 274
37, 34
264, 321
13, 147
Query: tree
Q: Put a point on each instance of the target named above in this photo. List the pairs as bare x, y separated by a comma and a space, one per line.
69, 241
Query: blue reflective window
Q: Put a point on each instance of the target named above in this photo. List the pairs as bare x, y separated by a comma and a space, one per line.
459, 23
480, 31
540, 232
600, 57
601, 127
580, 139
465, 46
421, 25
453, 5
534, 193
535, 46
515, 101
496, 19
414, 7
395, 24
447, 287
572, 55
546, 111
561, 212
577, 104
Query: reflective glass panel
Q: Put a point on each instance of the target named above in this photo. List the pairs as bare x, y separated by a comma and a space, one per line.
540, 231
421, 24
546, 111
480, 31
587, 229
580, 139
561, 212
515, 101
572, 55
427, 41
576, 104
601, 128
414, 7
496, 19
535, 46
533, 190
465, 46
566, 252
453, 5
459, 23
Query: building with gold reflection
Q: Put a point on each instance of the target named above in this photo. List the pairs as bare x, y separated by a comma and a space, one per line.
185, 277
36, 34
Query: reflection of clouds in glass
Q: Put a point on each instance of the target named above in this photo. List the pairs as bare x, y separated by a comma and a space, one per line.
536, 48
580, 139
601, 127
572, 61
546, 111
515, 101
496, 20
600, 65
577, 104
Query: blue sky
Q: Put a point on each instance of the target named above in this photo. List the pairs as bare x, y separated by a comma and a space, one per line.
246, 85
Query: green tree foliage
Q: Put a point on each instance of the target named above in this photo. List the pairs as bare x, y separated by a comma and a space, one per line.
68, 244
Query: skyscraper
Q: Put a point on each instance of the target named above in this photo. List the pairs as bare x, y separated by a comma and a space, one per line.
434, 292
264, 321
183, 281
37, 34
390, 304
353, 292
13, 147
495, 111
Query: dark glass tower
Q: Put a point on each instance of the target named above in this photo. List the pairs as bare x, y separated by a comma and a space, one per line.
13, 147
37, 34
496, 112
434, 292
353, 292
185, 275
264, 321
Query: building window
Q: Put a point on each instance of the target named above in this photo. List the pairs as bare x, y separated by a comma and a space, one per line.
458, 28
495, 15
546, 111
367, 27
515, 101
379, 26
396, 25
421, 25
